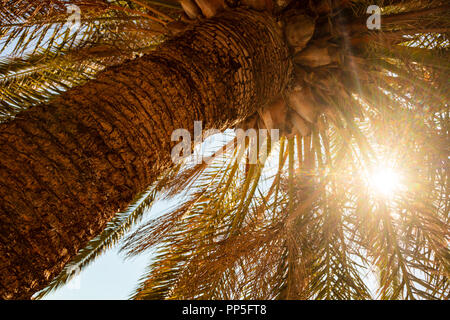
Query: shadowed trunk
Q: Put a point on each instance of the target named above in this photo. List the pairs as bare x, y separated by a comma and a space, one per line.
67, 167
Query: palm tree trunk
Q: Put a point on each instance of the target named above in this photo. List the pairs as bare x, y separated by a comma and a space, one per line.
67, 167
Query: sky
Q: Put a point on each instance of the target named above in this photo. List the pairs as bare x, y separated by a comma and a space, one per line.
108, 278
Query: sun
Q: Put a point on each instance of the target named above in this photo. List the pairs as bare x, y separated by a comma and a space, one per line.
385, 180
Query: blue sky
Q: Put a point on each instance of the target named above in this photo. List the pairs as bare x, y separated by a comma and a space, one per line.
110, 277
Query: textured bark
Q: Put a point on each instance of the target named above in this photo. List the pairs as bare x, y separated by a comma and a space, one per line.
67, 167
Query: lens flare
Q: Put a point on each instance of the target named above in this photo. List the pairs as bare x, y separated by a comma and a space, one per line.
385, 181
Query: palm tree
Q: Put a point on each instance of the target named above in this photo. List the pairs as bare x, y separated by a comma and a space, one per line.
87, 117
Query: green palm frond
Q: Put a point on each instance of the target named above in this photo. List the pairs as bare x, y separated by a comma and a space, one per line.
44, 56
38, 77
35, 79
46, 25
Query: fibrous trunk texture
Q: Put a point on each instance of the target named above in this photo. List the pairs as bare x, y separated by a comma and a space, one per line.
67, 167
